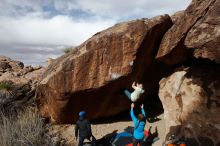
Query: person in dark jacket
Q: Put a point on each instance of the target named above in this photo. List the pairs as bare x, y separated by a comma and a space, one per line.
83, 129
139, 124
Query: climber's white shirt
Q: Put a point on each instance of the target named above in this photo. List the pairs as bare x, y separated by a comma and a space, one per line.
135, 95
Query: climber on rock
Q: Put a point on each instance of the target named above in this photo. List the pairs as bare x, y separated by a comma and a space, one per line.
83, 129
139, 124
136, 94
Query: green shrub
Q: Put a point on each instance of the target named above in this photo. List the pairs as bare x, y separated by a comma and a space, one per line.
6, 85
67, 50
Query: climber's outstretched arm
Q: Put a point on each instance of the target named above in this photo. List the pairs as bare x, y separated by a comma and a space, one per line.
134, 85
134, 119
142, 110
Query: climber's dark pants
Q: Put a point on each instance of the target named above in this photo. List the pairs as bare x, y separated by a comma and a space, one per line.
136, 141
128, 94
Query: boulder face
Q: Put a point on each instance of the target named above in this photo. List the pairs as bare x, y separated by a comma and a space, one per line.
194, 34
177, 16
191, 100
204, 36
93, 76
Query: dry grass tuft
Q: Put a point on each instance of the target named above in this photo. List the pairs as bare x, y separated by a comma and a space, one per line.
24, 129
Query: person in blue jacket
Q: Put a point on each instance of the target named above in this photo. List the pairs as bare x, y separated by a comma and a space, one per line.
139, 124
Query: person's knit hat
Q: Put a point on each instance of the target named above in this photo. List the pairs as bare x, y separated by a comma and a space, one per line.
82, 115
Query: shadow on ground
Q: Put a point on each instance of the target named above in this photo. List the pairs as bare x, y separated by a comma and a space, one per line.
124, 138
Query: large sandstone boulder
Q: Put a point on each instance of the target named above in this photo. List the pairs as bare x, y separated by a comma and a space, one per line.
194, 34
93, 76
191, 100
204, 36
177, 16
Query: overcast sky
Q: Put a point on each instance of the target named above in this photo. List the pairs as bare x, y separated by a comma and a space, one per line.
34, 30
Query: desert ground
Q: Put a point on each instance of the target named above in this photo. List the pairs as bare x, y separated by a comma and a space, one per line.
101, 130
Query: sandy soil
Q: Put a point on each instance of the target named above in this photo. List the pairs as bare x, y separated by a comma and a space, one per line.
101, 130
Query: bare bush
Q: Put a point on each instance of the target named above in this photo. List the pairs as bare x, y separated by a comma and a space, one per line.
20, 122
14, 97
24, 129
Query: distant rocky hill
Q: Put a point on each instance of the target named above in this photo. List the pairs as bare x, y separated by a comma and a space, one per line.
17, 83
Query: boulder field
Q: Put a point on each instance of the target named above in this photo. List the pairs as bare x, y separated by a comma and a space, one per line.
175, 57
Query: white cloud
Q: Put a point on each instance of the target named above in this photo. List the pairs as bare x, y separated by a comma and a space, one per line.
32, 55
59, 30
43, 36
45, 25
124, 9
110, 8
